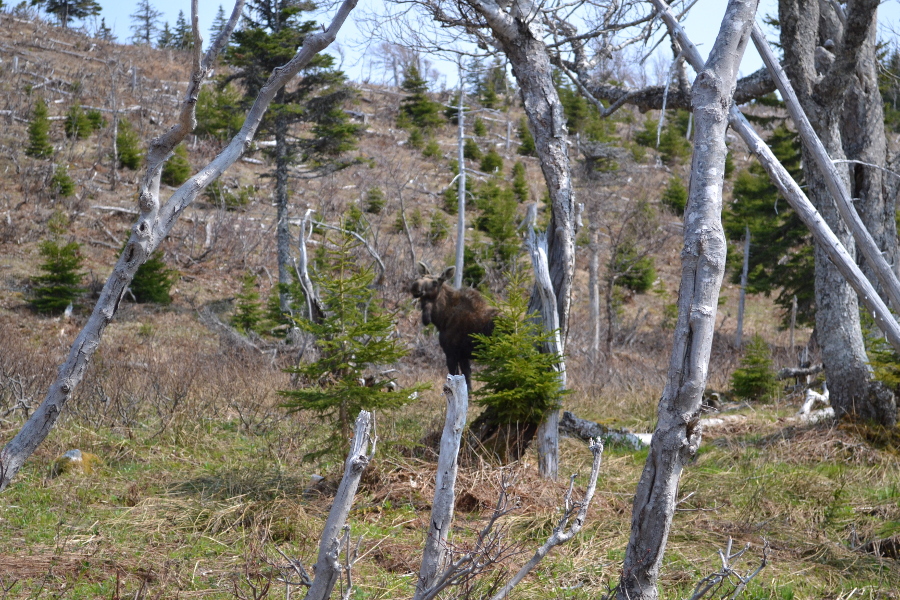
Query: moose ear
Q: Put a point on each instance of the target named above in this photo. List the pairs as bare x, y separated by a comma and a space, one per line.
423, 268
448, 273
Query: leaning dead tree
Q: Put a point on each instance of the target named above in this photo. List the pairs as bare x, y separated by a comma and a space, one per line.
156, 219
678, 431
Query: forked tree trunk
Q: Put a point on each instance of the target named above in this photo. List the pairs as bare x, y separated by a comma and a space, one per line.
155, 222
677, 433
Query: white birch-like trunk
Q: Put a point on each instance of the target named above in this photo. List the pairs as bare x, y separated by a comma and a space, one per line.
677, 434
155, 221
435, 553
461, 187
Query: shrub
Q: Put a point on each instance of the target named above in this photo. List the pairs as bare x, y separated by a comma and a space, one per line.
755, 378
418, 110
127, 146
416, 139
177, 169
375, 200
491, 162
478, 127
39, 131
675, 196
218, 112
60, 285
153, 281
248, 312
78, 124
438, 228
520, 183
432, 149
520, 382
635, 272
471, 149
61, 185
527, 147
221, 195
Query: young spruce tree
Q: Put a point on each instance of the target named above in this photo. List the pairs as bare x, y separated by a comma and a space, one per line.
39, 131
355, 339
60, 285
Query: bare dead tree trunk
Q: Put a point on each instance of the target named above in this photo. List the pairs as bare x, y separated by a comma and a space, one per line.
594, 291
282, 223
821, 80
739, 336
328, 567
677, 434
520, 36
548, 430
435, 553
461, 186
155, 221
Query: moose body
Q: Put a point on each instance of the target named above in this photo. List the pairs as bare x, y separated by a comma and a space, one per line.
457, 314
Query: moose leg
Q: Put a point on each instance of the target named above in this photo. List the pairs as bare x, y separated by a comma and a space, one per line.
466, 367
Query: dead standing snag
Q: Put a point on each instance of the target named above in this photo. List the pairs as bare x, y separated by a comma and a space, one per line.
457, 314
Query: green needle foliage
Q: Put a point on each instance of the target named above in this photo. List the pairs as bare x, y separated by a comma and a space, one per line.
248, 311
781, 253
60, 285
634, 270
61, 185
471, 149
153, 281
418, 109
675, 196
80, 124
755, 378
520, 382
177, 169
355, 340
39, 131
128, 146
527, 147
520, 183
492, 161
218, 112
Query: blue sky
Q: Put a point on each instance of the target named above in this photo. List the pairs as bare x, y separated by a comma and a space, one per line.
702, 25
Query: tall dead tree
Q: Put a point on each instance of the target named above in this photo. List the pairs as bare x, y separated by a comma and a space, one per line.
156, 220
677, 434
825, 52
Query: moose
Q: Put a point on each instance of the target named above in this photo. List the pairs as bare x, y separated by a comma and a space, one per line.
457, 314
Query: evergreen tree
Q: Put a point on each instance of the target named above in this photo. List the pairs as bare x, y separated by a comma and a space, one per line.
79, 124
183, 34
675, 195
145, 23
39, 131
248, 312
781, 254
128, 146
218, 112
166, 37
492, 161
478, 127
498, 205
271, 33
520, 381
418, 108
755, 378
60, 285
67, 11
520, 183
153, 281
633, 269
218, 24
527, 147
105, 33
177, 169
61, 185
355, 340
471, 149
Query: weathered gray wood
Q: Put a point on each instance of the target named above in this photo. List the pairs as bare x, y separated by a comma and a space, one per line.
548, 431
461, 185
836, 185
328, 567
155, 222
678, 432
564, 530
435, 553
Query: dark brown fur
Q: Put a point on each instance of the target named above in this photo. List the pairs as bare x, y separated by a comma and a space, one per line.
457, 314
